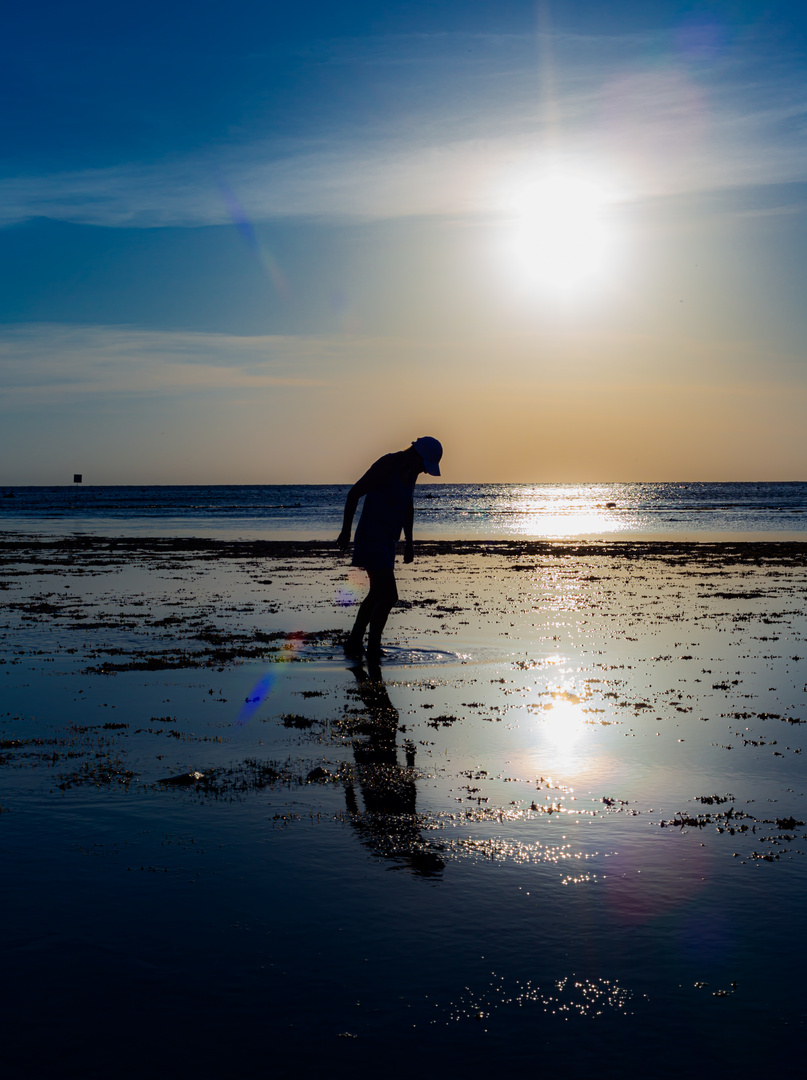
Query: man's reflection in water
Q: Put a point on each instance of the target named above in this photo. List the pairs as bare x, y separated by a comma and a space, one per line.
389, 824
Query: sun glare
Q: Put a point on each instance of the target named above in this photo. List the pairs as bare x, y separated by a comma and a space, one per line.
570, 511
564, 727
559, 238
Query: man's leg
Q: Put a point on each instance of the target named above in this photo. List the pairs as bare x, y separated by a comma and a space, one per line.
385, 593
374, 611
354, 643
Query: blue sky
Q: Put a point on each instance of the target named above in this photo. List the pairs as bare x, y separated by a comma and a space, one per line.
246, 244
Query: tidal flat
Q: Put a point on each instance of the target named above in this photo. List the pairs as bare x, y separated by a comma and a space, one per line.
563, 829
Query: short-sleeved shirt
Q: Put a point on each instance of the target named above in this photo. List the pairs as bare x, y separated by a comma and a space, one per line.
386, 503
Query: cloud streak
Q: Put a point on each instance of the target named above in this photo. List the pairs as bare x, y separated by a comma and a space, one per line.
41, 365
664, 129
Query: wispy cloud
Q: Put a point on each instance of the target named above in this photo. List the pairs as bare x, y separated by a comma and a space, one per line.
42, 364
665, 128
46, 363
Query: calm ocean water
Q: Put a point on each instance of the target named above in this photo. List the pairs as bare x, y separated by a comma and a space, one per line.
673, 510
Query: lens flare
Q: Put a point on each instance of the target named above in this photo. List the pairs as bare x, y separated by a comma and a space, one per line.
266, 683
259, 692
246, 231
349, 592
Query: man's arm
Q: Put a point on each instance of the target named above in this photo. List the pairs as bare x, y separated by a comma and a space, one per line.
374, 475
352, 501
409, 521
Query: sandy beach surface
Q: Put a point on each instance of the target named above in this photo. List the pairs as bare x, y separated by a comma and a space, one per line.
564, 829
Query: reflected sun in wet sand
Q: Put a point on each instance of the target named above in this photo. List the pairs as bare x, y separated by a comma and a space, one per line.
564, 727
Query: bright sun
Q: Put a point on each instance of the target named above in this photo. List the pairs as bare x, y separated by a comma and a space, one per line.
558, 237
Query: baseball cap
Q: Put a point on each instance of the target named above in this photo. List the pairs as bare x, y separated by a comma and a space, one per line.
431, 451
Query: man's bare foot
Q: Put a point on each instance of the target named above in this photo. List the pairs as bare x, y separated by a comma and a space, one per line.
374, 665
353, 646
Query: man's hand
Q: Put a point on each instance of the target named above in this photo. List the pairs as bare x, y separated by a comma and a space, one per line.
343, 539
409, 552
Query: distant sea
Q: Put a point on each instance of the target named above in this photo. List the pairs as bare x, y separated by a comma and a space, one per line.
753, 511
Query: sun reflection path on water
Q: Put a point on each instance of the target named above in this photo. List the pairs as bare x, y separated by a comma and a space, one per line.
575, 513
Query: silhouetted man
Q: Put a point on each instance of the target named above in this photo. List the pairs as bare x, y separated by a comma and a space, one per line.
388, 487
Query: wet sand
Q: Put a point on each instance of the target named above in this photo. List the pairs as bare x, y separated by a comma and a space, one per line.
565, 825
